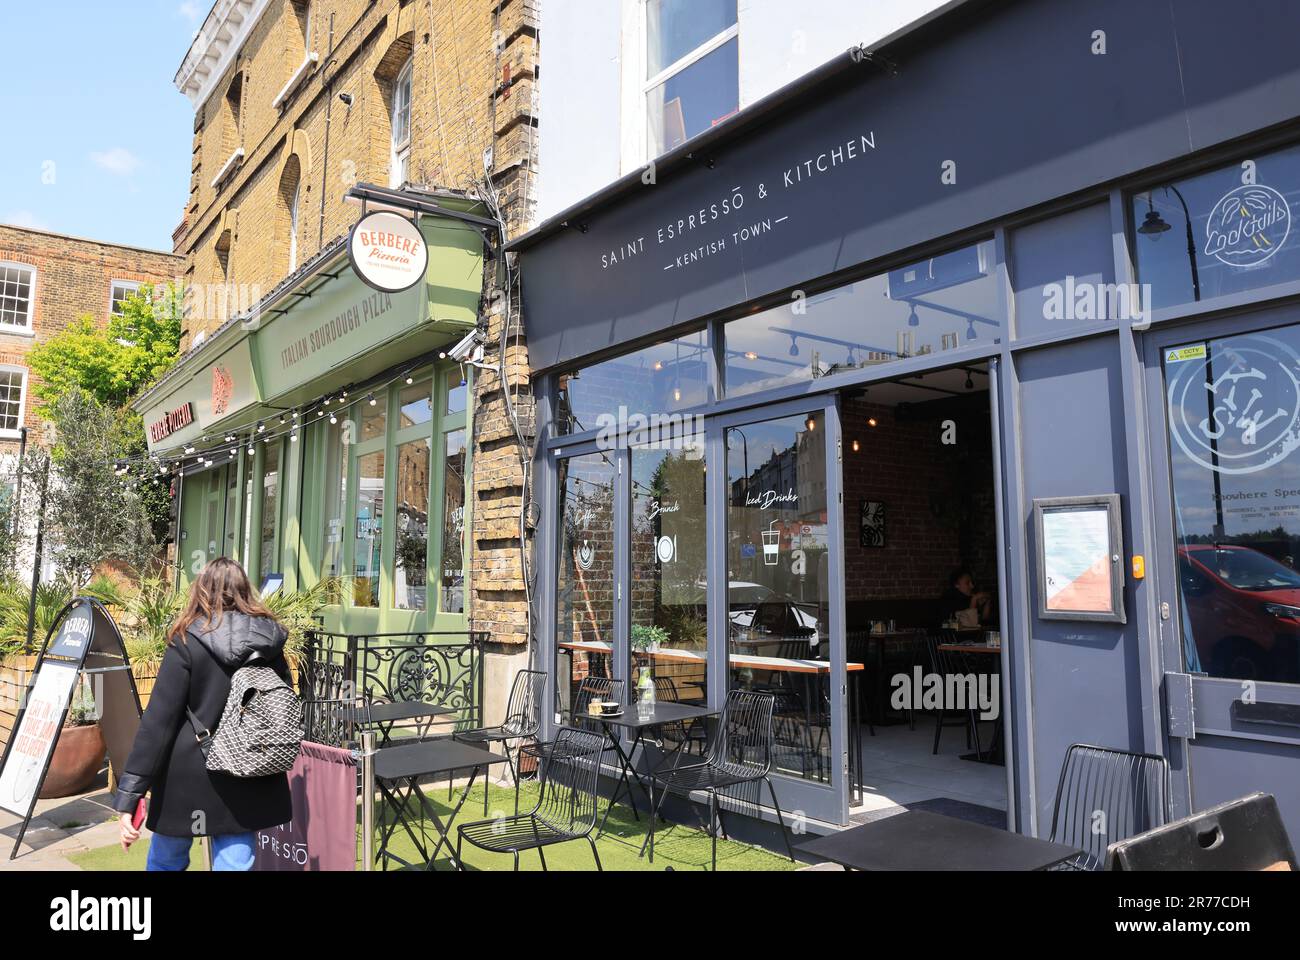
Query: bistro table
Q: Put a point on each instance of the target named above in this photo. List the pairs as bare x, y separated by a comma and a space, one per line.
980, 649
385, 716
402, 766
664, 714
919, 840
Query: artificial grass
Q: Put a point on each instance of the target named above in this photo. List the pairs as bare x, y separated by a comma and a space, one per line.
677, 847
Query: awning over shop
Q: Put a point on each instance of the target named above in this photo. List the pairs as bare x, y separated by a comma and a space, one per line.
322, 330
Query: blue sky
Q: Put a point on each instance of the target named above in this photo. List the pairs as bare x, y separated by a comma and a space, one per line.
97, 138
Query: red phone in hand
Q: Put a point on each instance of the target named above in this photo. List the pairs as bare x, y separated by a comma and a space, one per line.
137, 818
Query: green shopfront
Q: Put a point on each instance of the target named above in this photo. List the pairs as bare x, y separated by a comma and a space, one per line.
323, 436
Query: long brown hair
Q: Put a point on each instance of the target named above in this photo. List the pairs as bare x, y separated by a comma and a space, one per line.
221, 587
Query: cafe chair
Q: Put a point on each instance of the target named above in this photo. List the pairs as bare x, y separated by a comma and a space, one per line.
566, 806
1242, 834
1105, 796
740, 752
336, 722
944, 665
592, 689
523, 720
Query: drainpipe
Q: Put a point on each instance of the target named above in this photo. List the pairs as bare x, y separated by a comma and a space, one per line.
325, 161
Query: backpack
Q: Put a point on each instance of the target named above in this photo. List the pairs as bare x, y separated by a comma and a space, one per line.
260, 730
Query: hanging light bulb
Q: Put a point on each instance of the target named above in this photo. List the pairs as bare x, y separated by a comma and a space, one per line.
372, 400
857, 446
409, 380
283, 419
261, 427
333, 419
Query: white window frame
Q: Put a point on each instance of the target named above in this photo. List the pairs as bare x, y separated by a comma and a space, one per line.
30, 329
293, 225
14, 434
399, 161
135, 286
635, 140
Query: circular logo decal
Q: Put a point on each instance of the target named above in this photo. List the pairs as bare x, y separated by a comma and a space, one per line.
388, 252
1247, 226
1236, 411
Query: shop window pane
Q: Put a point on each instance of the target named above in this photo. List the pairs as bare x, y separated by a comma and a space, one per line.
584, 615
453, 523
411, 570
369, 530
1215, 234
694, 99
1234, 407
676, 27
778, 552
270, 511
336, 497
415, 405
656, 380
669, 636
1063, 271
373, 420
457, 394
943, 303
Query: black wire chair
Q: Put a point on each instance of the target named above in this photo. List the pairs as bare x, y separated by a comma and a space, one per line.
740, 752
591, 689
565, 810
944, 666
336, 722
523, 720
1105, 796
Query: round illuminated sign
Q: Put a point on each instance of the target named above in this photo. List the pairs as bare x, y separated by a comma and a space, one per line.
388, 252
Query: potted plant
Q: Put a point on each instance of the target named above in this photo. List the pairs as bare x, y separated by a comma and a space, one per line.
79, 755
648, 639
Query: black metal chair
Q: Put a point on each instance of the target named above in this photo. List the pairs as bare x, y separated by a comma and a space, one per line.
565, 810
523, 720
591, 689
1105, 796
739, 753
336, 722
944, 666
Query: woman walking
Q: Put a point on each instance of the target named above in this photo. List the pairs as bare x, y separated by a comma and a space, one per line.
224, 627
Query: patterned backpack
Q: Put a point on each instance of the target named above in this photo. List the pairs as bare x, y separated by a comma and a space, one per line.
260, 729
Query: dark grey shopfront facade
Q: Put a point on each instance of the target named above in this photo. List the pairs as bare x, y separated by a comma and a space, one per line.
1086, 210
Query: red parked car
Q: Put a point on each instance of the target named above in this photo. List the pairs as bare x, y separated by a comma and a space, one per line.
1244, 612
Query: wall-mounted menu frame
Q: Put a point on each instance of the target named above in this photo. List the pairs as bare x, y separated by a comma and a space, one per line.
1079, 571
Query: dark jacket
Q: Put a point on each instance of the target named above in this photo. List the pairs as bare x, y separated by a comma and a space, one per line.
165, 759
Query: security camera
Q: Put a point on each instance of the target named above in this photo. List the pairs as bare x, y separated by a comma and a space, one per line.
469, 350
346, 98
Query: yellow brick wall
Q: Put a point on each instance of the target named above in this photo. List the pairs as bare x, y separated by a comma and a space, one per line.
73, 278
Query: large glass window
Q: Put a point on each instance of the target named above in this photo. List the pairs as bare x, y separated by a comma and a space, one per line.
13, 388
1234, 426
585, 597
660, 379
336, 497
1221, 232
928, 307
368, 535
692, 69
778, 553
668, 596
411, 569
453, 523
270, 510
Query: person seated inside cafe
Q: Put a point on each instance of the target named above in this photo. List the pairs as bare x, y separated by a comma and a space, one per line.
970, 607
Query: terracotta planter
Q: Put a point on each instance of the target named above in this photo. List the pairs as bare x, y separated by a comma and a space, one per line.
78, 758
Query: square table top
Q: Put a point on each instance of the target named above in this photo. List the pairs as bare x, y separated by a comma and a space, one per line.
665, 712
919, 840
407, 710
429, 757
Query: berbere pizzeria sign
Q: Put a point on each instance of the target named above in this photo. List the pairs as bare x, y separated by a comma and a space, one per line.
388, 252
171, 421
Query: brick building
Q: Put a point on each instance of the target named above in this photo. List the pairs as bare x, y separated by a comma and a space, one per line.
307, 116
47, 281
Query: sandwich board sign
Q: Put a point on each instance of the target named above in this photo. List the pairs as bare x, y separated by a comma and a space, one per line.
84, 639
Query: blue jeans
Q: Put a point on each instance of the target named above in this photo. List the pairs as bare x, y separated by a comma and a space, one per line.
233, 852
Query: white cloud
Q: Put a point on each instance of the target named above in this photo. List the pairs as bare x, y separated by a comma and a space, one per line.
25, 219
118, 161
190, 10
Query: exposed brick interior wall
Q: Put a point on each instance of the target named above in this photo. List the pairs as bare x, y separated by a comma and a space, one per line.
73, 279
939, 503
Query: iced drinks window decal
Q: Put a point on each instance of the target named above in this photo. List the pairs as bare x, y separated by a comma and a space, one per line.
1080, 576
